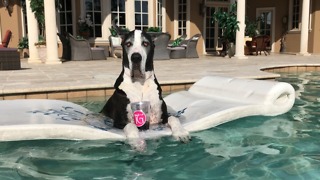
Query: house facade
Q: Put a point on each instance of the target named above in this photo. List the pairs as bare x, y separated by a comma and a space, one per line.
293, 25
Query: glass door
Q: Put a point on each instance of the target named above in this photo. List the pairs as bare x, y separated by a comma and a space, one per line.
213, 40
266, 23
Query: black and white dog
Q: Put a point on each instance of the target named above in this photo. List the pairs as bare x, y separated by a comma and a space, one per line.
137, 82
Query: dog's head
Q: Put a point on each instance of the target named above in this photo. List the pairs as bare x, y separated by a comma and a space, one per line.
138, 51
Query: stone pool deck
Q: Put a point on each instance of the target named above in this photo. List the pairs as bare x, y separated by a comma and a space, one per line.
75, 79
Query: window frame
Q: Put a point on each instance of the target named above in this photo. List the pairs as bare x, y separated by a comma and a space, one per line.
141, 13
117, 13
73, 24
293, 13
159, 14
176, 33
290, 17
92, 12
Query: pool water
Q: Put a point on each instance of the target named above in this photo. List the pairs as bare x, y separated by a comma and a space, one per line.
280, 147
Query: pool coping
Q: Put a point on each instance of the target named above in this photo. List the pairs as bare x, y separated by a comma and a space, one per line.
97, 88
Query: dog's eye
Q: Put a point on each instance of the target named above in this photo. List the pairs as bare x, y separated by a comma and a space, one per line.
145, 43
128, 44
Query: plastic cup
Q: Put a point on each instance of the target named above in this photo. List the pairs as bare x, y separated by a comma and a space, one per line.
141, 116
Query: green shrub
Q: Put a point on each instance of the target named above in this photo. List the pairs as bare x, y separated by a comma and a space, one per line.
23, 43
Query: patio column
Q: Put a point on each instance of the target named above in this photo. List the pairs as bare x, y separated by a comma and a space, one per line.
241, 8
130, 14
304, 28
33, 33
51, 32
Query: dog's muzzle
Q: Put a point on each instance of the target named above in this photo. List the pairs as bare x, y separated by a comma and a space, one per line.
136, 72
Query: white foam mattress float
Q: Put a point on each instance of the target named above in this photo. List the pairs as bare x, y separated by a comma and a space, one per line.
211, 101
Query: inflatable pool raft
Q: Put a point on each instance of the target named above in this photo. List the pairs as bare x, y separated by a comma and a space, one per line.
211, 101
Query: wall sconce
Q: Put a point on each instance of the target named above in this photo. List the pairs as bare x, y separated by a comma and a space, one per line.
6, 3
284, 20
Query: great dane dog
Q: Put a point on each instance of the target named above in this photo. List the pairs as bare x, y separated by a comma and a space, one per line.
137, 82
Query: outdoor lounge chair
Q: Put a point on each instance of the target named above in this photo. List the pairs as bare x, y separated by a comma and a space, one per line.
258, 44
81, 50
161, 51
187, 49
6, 39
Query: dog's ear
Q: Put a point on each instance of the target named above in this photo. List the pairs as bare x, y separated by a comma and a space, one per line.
126, 36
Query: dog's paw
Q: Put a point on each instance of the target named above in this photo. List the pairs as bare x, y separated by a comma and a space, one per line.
178, 132
138, 144
182, 135
133, 137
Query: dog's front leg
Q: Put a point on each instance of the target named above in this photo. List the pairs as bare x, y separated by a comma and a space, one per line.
178, 131
132, 133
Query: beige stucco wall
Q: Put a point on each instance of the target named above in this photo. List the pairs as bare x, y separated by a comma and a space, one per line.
314, 36
196, 23
293, 42
12, 23
170, 17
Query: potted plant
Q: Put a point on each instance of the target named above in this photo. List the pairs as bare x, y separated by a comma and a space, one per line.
229, 25
252, 27
85, 26
113, 31
23, 47
42, 48
41, 41
154, 31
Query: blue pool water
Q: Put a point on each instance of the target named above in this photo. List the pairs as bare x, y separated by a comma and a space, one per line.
281, 147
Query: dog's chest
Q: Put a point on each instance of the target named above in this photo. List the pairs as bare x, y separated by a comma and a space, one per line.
137, 92
147, 92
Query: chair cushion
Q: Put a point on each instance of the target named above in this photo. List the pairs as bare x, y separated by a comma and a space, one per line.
98, 53
6, 38
177, 48
178, 41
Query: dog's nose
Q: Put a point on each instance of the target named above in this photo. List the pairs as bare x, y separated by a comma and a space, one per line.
136, 57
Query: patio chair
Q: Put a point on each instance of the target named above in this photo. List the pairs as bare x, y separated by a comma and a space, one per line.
187, 49
81, 50
258, 44
66, 48
115, 45
161, 51
6, 39
191, 45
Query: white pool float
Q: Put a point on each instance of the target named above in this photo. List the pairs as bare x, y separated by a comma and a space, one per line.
211, 101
